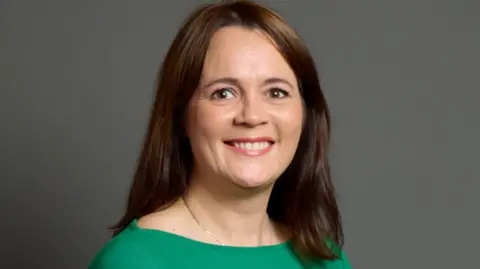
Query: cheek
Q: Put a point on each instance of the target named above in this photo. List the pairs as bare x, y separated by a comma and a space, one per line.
206, 122
291, 122
197, 126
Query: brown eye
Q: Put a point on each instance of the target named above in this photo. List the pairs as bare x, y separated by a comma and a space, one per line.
278, 93
223, 94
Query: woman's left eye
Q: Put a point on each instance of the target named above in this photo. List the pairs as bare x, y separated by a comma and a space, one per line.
278, 93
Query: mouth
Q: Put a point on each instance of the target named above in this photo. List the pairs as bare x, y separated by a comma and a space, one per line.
252, 147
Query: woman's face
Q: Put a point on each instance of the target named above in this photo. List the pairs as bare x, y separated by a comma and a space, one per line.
245, 119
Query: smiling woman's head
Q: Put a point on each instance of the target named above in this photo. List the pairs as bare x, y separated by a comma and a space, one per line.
239, 107
245, 118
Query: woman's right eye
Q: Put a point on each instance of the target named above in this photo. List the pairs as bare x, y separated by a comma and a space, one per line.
223, 94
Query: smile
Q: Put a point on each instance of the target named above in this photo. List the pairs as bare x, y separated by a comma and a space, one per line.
249, 146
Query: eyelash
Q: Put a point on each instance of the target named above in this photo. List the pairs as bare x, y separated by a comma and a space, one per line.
284, 92
270, 92
217, 92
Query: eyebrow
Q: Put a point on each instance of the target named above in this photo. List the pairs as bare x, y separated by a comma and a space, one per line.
236, 82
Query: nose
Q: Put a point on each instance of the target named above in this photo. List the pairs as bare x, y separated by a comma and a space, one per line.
252, 112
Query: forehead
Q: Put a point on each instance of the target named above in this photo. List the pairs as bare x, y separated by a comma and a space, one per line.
242, 53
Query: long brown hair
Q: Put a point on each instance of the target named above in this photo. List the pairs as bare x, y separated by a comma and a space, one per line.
303, 198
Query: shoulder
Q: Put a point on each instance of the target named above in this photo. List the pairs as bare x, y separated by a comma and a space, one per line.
173, 220
122, 252
168, 220
341, 263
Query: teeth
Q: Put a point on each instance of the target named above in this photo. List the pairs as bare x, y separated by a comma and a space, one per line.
252, 146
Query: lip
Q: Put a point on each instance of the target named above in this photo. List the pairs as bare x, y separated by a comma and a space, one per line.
249, 150
251, 139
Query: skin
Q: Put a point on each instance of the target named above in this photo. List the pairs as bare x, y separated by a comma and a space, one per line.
247, 90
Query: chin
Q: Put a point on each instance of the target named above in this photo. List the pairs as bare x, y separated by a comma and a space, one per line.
252, 183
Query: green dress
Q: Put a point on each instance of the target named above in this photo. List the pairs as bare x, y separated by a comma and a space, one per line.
137, 248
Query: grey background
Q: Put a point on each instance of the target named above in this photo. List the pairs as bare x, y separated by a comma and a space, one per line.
401, 77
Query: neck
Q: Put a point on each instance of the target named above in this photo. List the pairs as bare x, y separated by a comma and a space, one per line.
237, 219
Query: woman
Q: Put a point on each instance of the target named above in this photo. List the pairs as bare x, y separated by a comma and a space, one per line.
234, 170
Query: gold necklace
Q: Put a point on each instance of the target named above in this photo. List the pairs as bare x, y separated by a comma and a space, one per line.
200, 225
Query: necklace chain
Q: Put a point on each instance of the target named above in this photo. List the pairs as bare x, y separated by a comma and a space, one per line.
200, 225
